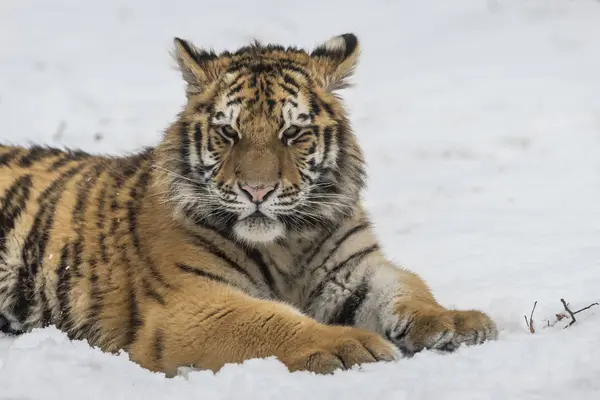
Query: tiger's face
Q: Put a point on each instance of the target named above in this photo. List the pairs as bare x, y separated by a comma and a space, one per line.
263, 145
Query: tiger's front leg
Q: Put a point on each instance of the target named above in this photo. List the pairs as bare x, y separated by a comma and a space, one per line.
361, 288
403, 309
208, 324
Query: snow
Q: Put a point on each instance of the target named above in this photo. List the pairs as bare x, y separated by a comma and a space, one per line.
481, 125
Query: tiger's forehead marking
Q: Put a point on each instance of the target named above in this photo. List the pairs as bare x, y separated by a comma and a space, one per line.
296, 111
237, 104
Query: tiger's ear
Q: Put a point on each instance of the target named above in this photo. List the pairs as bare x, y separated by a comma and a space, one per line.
197, 66
334, 61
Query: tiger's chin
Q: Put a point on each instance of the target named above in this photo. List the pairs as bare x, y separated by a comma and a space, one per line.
258, 229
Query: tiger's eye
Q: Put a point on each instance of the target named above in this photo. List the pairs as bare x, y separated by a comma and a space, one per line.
228, 133
291, 133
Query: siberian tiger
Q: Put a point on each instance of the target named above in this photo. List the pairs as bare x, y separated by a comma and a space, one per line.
240, 235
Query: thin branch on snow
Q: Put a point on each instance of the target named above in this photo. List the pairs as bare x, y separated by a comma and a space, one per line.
530, 322
572, 314
585, 308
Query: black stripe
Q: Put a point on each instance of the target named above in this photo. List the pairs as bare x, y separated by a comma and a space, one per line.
214, 250
96, 299
338, 243
198, 142
322, 51
101, 204
209, 146
238, 80
327, 107
219, 312
294, 67
306, 178
290, 90
24, 298
269, 318
253, 83
184, 149
6, 158
87, 183
67, 157
352, 260
346, 315
35, 154
235, 89
101, 223
317, 248
159, 345
124, 170
306, 139
127, 167
327, 135
12, 205
289, 80
85, 186
236, 100
257, 258
138, 192
286, 275
103, 248
46, 311
204, 274
150, 292
134, 315
314, 104
63, 286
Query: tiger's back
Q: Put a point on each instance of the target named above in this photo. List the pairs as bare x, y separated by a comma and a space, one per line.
67, 230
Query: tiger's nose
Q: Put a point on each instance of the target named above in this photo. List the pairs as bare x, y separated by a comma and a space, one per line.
257, 193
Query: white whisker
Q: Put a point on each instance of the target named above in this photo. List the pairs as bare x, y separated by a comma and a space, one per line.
176, 174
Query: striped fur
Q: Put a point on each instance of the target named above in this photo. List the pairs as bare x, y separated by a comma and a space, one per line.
169, 255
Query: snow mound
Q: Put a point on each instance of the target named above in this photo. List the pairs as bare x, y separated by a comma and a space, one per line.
554, 363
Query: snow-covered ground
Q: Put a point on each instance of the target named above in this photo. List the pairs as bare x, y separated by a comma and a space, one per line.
481, 124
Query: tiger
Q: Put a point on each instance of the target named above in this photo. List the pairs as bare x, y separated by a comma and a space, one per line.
240, 235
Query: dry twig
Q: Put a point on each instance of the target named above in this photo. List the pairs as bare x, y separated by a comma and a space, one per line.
572, 314
530, 321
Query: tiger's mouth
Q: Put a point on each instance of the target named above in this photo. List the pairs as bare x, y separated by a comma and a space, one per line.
256, 216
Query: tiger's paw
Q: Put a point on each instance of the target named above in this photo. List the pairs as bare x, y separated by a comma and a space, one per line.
334, 347
433, 327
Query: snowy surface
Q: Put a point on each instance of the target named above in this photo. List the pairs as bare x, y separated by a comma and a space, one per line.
481, 124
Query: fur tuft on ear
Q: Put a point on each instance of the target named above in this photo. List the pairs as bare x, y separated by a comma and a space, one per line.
334, 61
196, 65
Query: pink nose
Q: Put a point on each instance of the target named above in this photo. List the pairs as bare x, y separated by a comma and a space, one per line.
257, 193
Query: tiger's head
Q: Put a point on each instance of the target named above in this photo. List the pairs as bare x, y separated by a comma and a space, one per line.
263, 146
